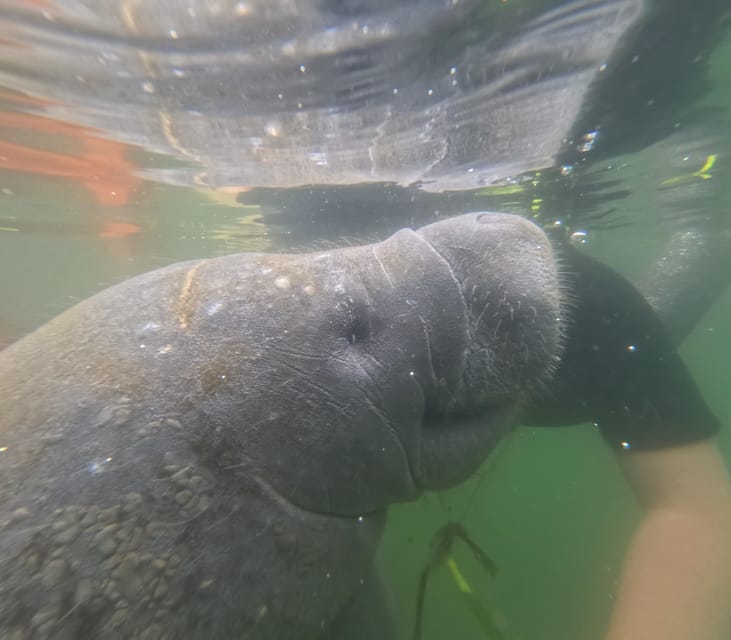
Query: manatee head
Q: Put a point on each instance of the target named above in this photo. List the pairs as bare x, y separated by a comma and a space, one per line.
379, 371
341, 380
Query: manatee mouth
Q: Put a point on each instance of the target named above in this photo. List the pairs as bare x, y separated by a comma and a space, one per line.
456, 443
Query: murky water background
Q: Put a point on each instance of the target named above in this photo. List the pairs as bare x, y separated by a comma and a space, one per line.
129, 176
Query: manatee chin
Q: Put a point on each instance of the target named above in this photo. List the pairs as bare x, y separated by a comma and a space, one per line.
455, 445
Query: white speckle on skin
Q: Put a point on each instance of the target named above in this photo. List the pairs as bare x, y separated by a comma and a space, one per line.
309, 290
282, 282
97, 466
214, 308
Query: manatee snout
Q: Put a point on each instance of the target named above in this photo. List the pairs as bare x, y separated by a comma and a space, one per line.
505, 270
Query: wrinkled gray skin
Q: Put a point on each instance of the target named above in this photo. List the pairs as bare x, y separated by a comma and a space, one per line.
208, 450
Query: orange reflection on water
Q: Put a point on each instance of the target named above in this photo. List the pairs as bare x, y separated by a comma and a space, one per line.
99, 165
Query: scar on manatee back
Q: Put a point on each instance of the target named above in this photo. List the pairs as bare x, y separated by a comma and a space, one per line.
186, 297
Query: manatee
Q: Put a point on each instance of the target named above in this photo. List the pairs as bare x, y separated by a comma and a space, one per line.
208, 450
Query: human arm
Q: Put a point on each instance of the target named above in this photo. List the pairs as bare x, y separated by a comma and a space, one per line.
676, 577
621, 372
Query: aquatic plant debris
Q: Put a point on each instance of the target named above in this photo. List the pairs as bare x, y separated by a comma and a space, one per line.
704, 173
441, 554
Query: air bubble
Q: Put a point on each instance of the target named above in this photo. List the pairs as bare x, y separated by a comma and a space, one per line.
579, 237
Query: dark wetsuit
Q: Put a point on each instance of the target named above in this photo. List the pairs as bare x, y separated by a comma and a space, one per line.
620, 369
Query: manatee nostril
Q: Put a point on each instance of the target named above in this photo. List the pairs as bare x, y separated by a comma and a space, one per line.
357, 321
357, 331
